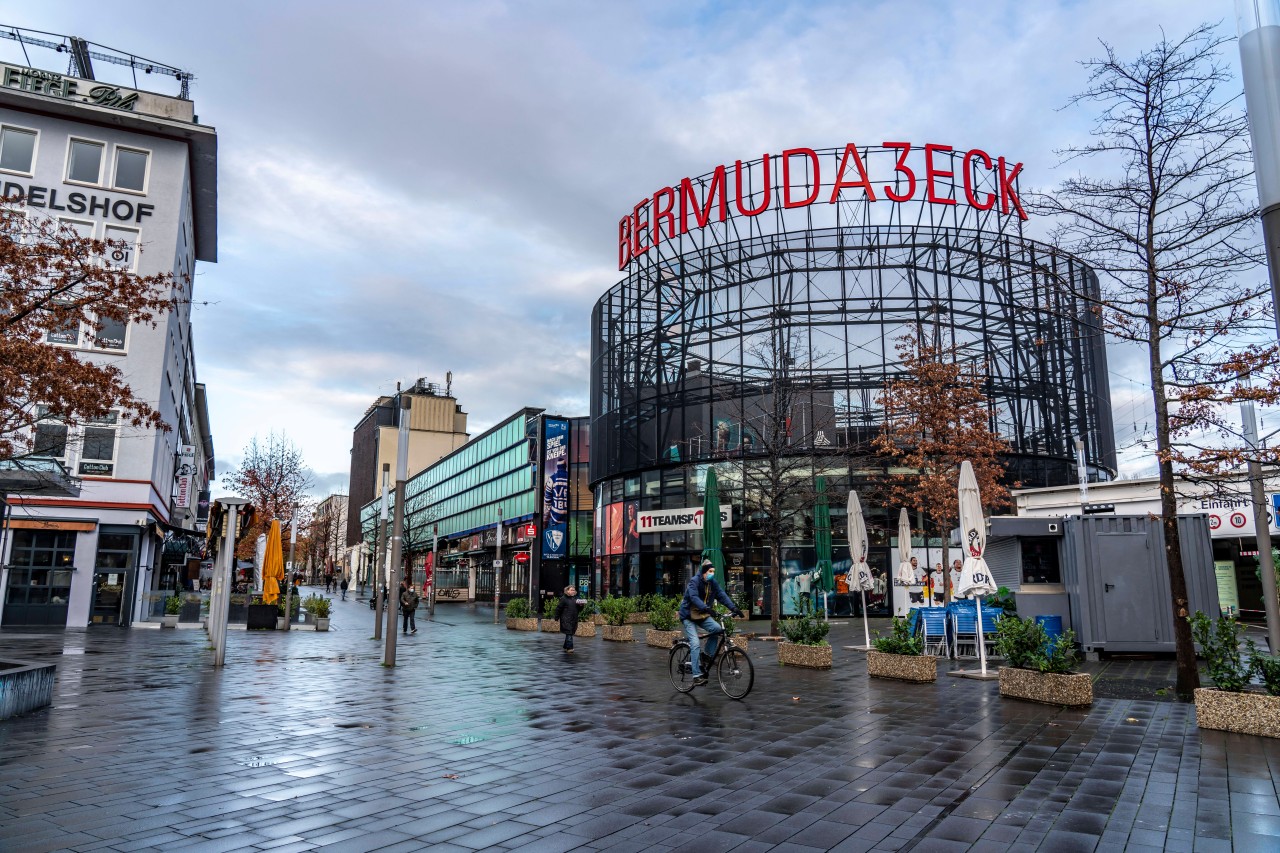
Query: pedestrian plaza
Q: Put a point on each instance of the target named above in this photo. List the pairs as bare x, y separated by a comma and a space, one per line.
488, 739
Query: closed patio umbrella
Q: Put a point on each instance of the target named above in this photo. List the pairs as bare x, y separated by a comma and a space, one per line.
906, 574
975, 577
272, 565
822, 542
711, 531
858, 568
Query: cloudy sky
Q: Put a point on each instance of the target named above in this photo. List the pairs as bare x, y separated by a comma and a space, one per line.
411, 188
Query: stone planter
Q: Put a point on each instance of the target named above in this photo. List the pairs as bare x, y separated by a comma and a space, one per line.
1049, 688
637, 618
1243, 713
902, 667
551, 626
810, 657
740, 642
169, 620
661, 639
24, 687
522, 624
281, 622
619, 633
598, 619
322, 623
585, 629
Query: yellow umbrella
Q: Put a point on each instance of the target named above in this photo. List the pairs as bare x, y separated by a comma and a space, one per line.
272, 565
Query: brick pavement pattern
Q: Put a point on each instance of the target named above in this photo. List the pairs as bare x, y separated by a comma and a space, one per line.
488, 739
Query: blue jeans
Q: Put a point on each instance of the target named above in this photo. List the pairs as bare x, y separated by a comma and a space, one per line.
713, 629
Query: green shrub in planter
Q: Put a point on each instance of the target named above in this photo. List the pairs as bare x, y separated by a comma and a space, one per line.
805, 630
518, 608
1024, 644
616, 610
1220, 645
900, 642
173, 605
664, 613
317, 605
549, 608
1267, 667
1004, 600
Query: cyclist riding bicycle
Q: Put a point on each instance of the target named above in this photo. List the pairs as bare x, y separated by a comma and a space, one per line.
695, 612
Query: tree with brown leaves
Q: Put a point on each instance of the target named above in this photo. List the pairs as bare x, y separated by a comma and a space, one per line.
56, 286
274, 478
937, 416
1172, 233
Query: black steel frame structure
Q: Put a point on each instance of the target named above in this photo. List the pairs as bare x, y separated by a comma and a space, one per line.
841, 282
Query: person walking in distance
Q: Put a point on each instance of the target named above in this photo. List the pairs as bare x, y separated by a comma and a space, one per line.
344, 586
408, 607
695, 612
567, 612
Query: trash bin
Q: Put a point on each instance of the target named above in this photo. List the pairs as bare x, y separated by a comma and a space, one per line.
1052, 626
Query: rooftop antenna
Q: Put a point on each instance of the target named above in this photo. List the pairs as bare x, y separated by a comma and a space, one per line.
448, 384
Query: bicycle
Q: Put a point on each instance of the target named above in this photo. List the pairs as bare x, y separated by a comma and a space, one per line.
733, 667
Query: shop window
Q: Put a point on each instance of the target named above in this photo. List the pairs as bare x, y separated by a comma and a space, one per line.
17, 149
84, 162
99, 452
109, 334
123, 251
131, 169
1040, 561
50, 438
67, 332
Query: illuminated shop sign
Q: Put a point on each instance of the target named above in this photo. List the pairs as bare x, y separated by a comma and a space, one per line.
656, 520
68, 88
801, 177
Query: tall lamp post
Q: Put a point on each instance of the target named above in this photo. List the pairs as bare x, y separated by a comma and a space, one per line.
288, 591
1259, 28
397, 530
379, 554
222, 582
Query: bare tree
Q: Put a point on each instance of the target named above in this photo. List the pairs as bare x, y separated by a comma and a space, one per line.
273, 477
1172, 234
937, 416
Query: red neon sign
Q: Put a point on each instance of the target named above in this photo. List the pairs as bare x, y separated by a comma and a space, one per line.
923, 176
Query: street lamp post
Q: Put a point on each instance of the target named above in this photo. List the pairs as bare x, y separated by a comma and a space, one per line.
288, 586
222, 582
378, 556
397, 530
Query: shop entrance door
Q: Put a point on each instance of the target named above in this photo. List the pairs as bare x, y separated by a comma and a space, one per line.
113, 577
39, 578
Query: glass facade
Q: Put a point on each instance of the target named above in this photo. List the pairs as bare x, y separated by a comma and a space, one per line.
459, 499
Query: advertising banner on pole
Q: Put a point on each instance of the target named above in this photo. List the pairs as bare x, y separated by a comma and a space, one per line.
555, 489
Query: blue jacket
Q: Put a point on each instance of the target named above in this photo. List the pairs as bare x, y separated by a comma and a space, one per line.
699, 591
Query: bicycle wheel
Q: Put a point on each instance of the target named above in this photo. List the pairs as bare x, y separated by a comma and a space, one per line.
679, 668
736, 673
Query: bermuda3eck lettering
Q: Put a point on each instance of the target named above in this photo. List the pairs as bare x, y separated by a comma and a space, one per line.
794, 179
120, 209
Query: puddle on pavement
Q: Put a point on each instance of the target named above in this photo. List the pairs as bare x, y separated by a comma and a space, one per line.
467, 740
353, 725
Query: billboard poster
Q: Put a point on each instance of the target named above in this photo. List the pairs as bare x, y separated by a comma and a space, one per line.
630, 535
555, 489
597, 537
614, 520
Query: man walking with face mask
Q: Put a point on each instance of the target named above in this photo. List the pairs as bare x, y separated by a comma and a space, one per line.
695, 612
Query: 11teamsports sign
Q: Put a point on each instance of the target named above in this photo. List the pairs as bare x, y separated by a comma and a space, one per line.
672, 211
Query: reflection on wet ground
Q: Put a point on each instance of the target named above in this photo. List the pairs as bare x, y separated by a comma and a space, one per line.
484, 738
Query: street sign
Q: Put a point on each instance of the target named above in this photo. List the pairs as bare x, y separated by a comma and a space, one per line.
522, 557
497, 564
530, 530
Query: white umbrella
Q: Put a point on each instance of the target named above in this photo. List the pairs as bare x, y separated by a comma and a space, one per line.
906, 572
859, 571
975, 577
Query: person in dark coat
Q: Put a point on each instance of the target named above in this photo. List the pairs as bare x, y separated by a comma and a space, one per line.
567, 612
696, 612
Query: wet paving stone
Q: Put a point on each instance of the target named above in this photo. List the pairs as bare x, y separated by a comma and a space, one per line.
485, 738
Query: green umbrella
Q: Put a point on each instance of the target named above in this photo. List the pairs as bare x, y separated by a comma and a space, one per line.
711, 534
822, 540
